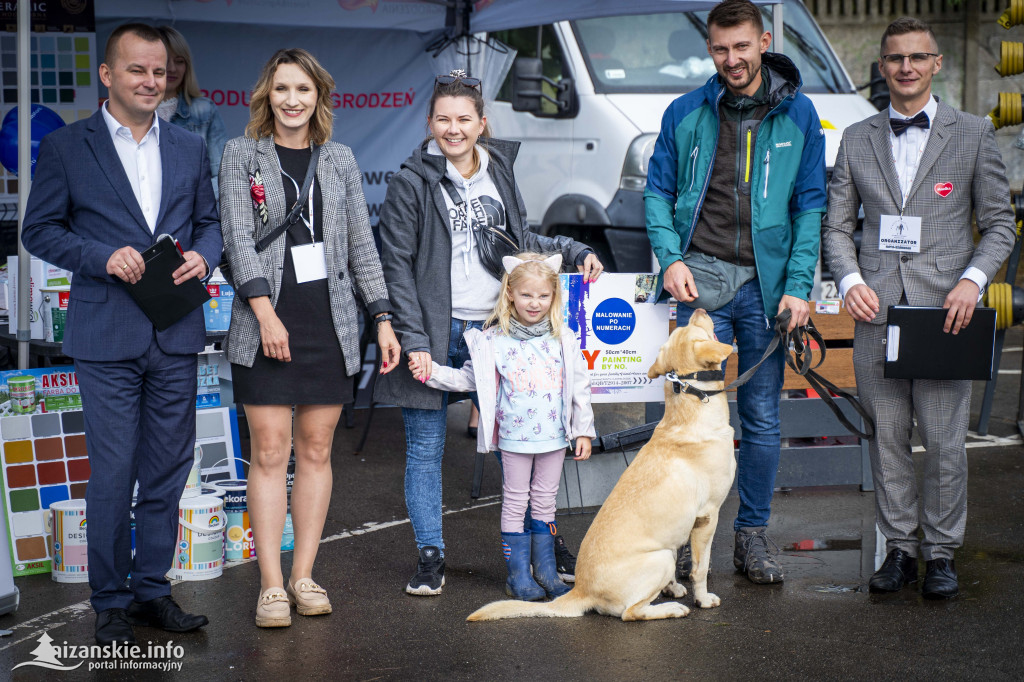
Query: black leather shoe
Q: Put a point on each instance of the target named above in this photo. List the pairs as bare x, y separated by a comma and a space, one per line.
940, 579
112, 625
471, 432
164, 613
898, 570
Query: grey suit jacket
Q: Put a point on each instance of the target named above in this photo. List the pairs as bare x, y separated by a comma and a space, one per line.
348, 243
961, 155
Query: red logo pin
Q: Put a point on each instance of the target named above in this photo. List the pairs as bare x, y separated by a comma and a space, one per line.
943, 188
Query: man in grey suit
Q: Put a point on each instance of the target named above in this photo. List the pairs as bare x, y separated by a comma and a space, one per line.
919, 169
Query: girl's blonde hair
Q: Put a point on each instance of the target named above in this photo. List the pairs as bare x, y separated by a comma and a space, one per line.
177, 45
261, 116
534, 266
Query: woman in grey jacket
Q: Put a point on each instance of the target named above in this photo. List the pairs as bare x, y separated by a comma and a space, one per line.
438, 286
293, 343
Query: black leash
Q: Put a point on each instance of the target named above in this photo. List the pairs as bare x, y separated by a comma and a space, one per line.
799, 357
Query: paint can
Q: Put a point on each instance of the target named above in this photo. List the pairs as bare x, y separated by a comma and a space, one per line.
54, 312
211, 489
199, 552
131, 521
70, 548
193, 486
22, 391
238, 541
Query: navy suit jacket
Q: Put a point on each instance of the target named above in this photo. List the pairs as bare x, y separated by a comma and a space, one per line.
82, 209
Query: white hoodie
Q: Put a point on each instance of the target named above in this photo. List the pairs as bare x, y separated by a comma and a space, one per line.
474, 289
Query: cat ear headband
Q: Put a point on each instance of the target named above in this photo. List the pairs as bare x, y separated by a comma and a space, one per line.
511, 262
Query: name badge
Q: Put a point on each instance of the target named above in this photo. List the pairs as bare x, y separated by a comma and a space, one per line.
310, 262
899, 233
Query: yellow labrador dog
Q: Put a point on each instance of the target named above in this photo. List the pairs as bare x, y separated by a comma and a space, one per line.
671, 493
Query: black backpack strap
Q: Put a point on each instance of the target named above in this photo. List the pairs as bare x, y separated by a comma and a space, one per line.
300, 201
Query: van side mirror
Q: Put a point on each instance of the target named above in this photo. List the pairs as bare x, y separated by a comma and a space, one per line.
879, 93
527, 88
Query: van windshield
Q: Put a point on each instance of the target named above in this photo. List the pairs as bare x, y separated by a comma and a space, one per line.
668, 53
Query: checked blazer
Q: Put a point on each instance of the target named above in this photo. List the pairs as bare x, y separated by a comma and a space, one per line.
352, 258
961, 154
961, 173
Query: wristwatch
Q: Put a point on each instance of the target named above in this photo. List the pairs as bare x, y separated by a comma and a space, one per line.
386, 317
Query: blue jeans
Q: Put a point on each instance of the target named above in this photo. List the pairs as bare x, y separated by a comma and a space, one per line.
743, 318
424, 446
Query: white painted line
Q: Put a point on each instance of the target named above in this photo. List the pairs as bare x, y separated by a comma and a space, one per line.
61, 617
1009, 371
988, 441
1012, 349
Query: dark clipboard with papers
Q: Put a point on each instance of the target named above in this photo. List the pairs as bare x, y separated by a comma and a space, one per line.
163, 301
917, 348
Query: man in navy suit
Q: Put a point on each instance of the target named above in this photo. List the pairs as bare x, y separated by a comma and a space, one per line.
105, 189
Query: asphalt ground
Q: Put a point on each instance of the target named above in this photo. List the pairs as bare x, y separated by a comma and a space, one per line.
819, 624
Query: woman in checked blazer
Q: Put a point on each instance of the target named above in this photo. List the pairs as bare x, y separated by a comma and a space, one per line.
293, 335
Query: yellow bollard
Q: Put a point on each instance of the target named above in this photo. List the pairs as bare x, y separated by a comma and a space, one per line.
1013, 16
1008, 110
1011, 59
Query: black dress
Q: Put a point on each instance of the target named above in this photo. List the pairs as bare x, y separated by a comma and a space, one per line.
316, 375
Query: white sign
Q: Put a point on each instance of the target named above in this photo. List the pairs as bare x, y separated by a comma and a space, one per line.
620, 329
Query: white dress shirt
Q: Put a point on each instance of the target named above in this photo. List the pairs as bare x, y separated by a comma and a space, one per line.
907, 150
141, 162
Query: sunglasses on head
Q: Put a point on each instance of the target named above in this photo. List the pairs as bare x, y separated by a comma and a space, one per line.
465, 80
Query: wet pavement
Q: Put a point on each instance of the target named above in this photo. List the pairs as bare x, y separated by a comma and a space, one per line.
820, 624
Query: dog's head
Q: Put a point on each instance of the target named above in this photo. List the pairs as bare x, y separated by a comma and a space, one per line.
692, 348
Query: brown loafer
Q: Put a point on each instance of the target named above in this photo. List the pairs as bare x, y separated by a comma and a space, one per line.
309, 598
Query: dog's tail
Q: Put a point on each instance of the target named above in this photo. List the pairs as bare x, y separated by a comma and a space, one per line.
573, 604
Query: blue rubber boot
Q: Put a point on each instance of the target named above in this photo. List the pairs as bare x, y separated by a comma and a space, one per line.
520, 584
545, 571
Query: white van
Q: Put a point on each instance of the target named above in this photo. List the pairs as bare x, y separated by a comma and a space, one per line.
606, 83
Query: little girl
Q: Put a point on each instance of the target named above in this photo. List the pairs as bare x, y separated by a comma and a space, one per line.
534, 393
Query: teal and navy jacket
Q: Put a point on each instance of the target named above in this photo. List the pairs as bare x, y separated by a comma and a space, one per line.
787, 176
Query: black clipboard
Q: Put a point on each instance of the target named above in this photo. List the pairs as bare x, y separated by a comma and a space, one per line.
163, 301
917, 348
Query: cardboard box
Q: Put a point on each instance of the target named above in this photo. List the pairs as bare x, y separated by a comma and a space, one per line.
208, 380
218, 308
41, 275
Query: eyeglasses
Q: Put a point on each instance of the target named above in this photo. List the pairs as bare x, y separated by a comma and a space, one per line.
916, 58
465, 80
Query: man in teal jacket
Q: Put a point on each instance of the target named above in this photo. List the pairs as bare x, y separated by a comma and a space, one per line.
734, 199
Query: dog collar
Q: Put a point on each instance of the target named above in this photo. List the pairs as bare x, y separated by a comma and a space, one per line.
680, 385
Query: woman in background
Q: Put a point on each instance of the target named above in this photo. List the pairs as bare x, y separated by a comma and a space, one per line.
184, 106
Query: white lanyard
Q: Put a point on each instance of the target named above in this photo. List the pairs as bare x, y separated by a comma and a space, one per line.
309, 223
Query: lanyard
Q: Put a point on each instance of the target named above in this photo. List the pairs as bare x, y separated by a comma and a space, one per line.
298, 191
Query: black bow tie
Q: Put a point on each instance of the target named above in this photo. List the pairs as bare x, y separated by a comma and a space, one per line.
900, 125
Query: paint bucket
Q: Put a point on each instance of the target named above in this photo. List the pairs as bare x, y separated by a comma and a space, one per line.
23, 394
131, 522
70, 549
193, 486
210, 489
288, 534
238, 542
199, 552
54, 312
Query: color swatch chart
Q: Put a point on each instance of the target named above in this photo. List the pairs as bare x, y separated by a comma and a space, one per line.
63, 77
44, 461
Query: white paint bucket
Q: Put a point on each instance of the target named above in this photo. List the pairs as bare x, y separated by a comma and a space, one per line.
54, 311
199, 553
70, 549
193, 486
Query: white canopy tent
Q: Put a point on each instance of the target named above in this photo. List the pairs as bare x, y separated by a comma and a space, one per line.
441, 27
